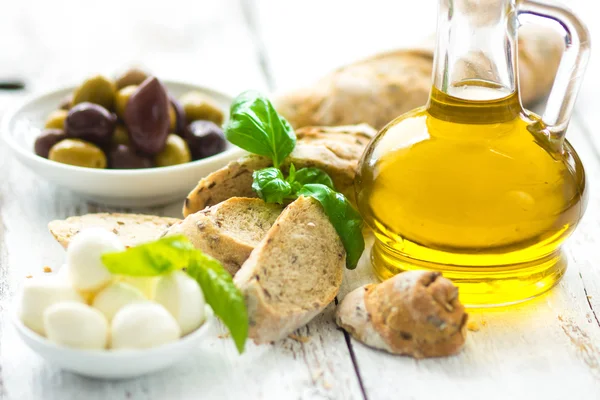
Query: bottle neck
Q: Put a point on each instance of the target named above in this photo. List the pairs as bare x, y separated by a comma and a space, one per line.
475, 57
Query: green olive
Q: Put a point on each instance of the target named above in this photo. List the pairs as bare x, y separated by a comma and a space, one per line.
176, 151
79, 153
98, 90
122, 98
172, 118
66, 102
56, 119
133, 76
120, 136
198, 106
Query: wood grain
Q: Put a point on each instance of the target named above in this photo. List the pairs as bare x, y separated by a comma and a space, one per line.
547, 348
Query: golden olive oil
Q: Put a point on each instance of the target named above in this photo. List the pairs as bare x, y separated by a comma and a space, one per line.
471, 188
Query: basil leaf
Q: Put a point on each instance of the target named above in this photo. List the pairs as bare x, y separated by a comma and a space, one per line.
255, 126
291, 174
176, 252
344, 218
222, 295
270, 185
313, 175
151, 259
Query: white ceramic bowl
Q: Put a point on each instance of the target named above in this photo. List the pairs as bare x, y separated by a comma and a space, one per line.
126, 188
117, 364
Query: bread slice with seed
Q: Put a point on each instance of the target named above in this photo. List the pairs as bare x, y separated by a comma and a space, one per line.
415, 313
293, 274
132, 229
230, 230
336, 150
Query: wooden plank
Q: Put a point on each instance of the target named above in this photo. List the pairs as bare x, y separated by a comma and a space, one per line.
202, 42
544, 348
321, 367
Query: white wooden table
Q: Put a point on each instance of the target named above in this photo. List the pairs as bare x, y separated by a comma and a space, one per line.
548, 348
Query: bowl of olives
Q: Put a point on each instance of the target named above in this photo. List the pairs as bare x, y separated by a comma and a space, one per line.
130, 141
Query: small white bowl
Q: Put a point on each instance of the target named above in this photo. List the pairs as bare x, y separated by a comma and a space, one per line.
126, 188
113, 364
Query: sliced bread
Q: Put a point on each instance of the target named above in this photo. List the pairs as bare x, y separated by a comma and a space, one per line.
230, 230
293, 274
336, 150
132, 229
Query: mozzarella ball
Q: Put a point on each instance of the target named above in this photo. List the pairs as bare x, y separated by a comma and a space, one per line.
113, 297
182, 297
40, 293
76, 325
143, 325
84, 253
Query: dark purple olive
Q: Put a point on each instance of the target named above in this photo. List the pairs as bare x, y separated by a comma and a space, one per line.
46, 140
179, 116
90, 122
122, 156
204, 138
147, 117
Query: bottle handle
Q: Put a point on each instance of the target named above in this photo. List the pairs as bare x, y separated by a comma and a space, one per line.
570, 70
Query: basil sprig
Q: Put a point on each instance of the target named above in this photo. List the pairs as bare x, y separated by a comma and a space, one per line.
176, 252
255, 126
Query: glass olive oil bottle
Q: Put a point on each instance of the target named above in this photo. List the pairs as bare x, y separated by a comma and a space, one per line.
472, 185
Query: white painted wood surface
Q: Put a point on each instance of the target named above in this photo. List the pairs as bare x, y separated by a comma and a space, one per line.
547, 348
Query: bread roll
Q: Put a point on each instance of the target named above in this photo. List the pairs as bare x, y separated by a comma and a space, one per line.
415, 313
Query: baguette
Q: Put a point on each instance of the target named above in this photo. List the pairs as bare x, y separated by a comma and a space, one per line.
336, 150
380, 88
293, 274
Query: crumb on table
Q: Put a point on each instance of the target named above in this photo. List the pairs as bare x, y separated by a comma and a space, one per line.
29, 276
298, 338
473, 326
47, 269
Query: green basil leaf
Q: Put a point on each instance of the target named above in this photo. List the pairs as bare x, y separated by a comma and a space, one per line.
176, 252
270, 185
305, 176
344, 218
255, 126
151, 259
291, 174
222, 295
